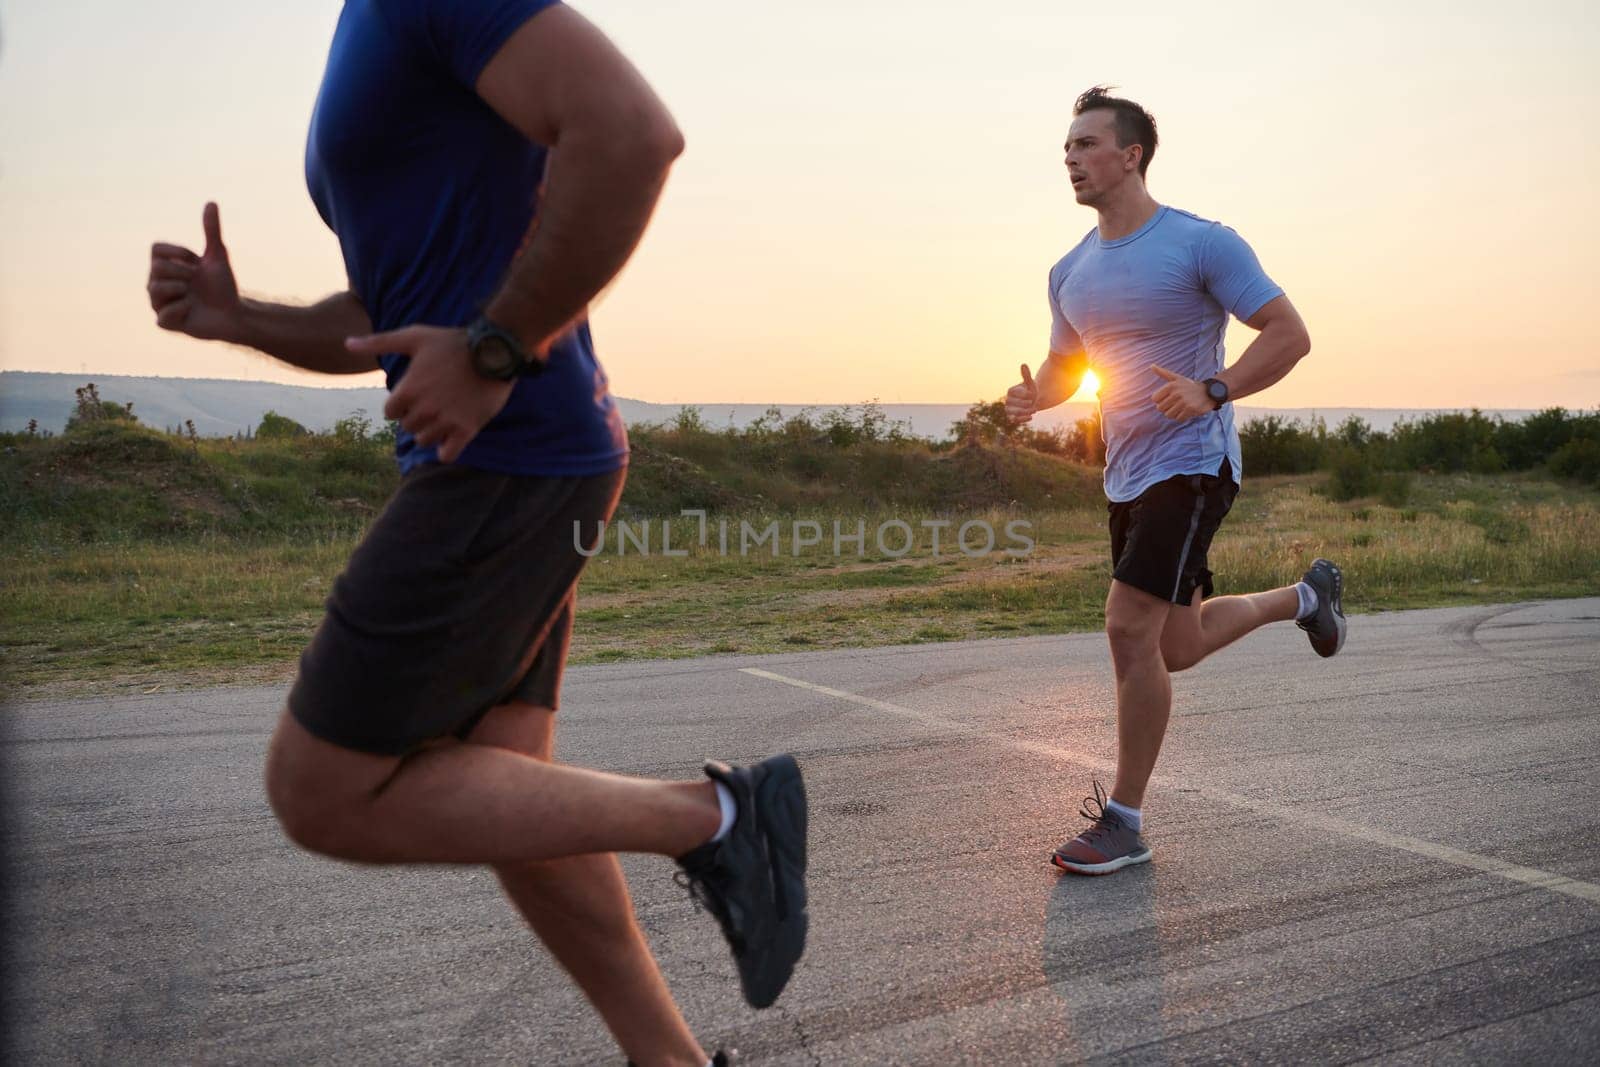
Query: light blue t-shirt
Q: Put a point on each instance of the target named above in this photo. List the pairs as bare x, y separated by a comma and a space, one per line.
1159, 297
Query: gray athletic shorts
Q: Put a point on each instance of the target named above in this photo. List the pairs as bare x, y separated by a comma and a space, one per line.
459, 598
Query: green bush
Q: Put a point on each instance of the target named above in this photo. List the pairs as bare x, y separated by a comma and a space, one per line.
1351, 474
849, 426
275, 427
987, 423
1394, 488
984, 423
1275, 445
1579, 459
354, 428
1089, 441
1535, 439
1449, 442
90, 410
690, 421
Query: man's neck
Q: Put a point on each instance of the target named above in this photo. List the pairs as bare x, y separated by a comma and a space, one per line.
1126, 214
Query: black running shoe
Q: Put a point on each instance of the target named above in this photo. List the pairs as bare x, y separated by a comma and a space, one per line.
1325, 626
754, 880
720, 1058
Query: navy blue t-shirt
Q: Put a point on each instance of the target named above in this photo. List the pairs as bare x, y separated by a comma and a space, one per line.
431, 194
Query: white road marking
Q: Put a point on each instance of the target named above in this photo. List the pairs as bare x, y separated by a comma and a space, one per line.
1548, 880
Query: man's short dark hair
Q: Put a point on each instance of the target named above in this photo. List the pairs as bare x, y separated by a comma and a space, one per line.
1134, 123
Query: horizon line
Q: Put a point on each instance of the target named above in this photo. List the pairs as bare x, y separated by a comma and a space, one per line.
89, 376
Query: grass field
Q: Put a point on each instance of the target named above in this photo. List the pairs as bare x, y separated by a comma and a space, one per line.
210, 565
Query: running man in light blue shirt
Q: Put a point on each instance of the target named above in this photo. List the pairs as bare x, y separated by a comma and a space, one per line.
1144, 299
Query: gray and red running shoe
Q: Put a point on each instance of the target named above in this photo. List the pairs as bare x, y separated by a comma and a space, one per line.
1109, 844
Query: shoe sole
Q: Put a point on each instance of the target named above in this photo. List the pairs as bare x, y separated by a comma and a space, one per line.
1336, 609
1100, 868
1338, 645
782, 814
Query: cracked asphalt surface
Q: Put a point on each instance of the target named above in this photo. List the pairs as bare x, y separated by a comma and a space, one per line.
1293, 911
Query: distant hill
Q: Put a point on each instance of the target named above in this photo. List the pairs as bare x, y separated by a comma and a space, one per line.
219, 407
222, 407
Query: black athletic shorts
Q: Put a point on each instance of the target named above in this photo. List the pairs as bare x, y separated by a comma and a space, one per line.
459, 598
1159, 541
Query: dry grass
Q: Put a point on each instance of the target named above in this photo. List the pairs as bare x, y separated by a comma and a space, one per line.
140, 615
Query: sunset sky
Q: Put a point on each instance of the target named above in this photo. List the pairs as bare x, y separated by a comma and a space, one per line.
873, 191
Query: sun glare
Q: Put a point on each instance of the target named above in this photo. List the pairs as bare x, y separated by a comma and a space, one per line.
1089, 389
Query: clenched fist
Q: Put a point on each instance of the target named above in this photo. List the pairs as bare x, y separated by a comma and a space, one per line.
191, 294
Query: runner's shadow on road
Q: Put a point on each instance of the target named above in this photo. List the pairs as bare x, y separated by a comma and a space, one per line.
1102, 955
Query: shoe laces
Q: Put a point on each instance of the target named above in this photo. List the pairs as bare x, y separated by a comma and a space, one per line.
704, 899
1102, 819
699, 896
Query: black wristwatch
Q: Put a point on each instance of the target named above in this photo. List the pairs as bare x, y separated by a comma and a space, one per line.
497, 354
1217, 390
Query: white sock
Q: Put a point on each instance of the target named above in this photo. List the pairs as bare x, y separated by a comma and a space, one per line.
1308, 600
1134, 817
730, 811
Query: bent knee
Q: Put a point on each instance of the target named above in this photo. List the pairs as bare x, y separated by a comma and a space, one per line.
316, 810
304, 814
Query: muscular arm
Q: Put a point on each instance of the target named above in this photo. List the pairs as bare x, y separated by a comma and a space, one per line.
562, 83
308, 337
1282, 342
1232, 275
1059, 377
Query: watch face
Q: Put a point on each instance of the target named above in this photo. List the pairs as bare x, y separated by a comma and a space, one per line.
1217, 391
494, 358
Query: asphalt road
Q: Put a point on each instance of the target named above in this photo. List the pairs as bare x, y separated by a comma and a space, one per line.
1394, 854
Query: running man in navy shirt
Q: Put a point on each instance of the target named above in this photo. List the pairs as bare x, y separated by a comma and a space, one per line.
488, 166
1144, 299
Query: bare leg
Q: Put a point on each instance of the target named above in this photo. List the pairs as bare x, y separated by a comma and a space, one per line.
1134, 623
1197, 629
460, 803
580, 908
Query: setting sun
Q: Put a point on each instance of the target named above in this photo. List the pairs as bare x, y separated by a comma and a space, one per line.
1088, 389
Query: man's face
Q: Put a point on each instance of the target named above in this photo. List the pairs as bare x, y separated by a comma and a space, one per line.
1095, 164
